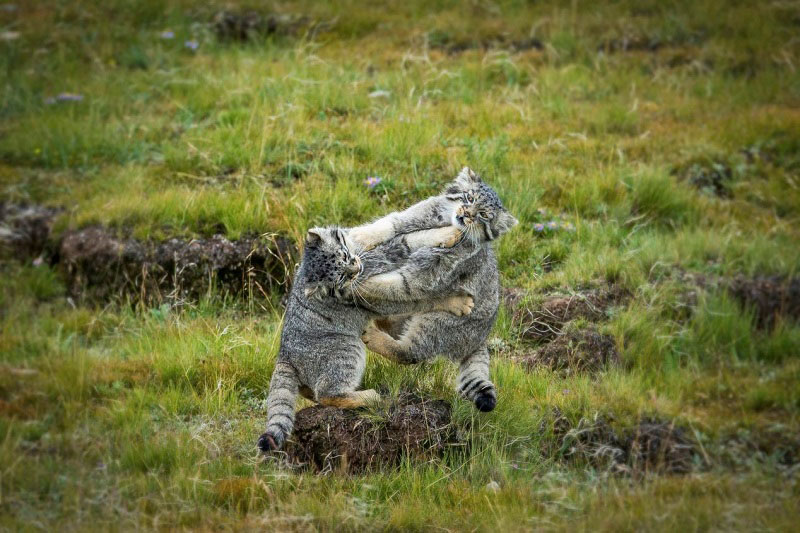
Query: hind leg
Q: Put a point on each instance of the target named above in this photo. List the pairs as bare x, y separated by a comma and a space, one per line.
337, 386
412, 347
351, 400
473, 380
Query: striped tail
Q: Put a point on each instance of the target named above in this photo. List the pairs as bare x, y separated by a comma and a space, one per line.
280, 407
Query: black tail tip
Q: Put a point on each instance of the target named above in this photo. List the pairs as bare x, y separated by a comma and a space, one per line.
266, 443
485, 402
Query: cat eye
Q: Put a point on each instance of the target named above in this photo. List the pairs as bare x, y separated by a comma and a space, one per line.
482, 214
470, 198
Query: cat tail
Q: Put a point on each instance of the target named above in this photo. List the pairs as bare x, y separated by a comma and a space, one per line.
280, 407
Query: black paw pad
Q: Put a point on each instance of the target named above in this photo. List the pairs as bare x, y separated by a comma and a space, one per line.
266, 443
485, 401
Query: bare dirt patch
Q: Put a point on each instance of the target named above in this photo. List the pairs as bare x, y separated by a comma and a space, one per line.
545, 320
636, 41
252, 25
99, 265
651, 445
770, 297
453, 45
777, 444
345, 440
713, 177
582, 351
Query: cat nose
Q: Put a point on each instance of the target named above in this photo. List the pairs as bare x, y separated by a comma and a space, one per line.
354, 266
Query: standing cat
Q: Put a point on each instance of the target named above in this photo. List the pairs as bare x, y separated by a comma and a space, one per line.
321, 354
469, 267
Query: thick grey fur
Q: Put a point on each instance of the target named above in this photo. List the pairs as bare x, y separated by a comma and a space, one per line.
469, 267
321, 354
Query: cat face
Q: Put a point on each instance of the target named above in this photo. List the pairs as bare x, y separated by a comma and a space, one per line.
480, 211
331, 263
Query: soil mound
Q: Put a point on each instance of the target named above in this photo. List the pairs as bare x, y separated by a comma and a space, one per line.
769, 297
99, 265
651, 445
546, 320
24, 229
576, 352
346, 440
252, 25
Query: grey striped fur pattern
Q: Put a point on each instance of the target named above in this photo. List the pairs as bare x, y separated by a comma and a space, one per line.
469, 267
415, 267
321, 355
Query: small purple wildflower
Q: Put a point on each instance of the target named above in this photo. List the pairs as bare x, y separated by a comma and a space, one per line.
167, 34
63, 97
552, 224
191, 45
565, 391
515, 466
538, 227
372, 182
568, 226
69, 97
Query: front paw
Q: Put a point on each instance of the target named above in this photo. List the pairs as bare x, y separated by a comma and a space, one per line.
461, 305
372, 336
363, 238
452, 239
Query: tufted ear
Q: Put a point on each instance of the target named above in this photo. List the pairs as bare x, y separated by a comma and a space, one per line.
505, 221
313, 237
467, 179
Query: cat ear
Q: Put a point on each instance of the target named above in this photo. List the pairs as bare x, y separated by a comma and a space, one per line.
314, 236
466, 180
468, 177
505, 221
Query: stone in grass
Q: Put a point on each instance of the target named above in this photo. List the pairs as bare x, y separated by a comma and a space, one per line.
329, 439
582, 351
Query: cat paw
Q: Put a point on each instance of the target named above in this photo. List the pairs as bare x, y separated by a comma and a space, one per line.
486, 400
364, 238
267, 444
452, 239
370, 396
372, 336
461, 305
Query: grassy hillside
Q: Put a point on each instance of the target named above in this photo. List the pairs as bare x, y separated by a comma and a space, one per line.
660, 140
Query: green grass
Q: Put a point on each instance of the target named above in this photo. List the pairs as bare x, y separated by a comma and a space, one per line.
120, 417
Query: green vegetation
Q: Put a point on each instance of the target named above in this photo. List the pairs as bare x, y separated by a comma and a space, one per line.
665, 133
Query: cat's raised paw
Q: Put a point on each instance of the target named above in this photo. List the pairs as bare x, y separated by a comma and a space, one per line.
486, 400
460, 305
